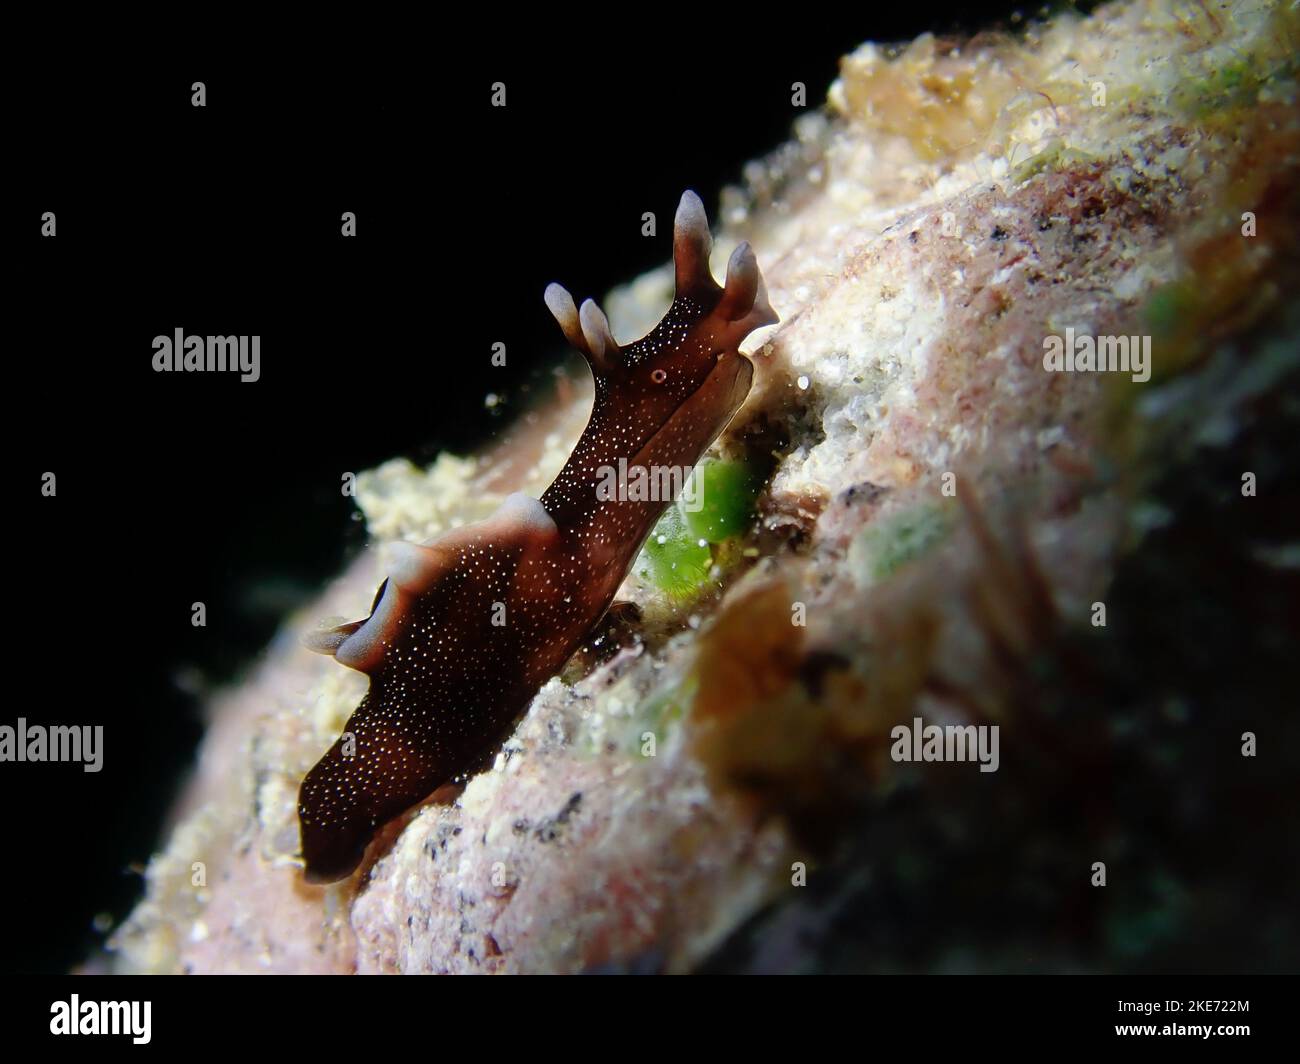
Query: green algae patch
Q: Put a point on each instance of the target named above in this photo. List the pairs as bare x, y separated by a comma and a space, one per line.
721, 500
674, 560
714, 509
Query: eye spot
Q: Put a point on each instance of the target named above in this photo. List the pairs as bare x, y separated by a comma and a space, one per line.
659, 376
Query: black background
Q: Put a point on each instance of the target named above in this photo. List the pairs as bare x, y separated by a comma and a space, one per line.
176, 488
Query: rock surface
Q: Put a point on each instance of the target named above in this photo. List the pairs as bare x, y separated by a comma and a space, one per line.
949, 208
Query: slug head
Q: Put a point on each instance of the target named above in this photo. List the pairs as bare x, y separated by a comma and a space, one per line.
643, 385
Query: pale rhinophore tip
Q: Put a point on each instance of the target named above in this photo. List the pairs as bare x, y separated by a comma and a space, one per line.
595, 328
691, 219
742, 283
691, 245
560, 304
744, 300
743, 265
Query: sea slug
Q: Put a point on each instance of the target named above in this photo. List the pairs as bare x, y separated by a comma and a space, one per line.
467, 628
